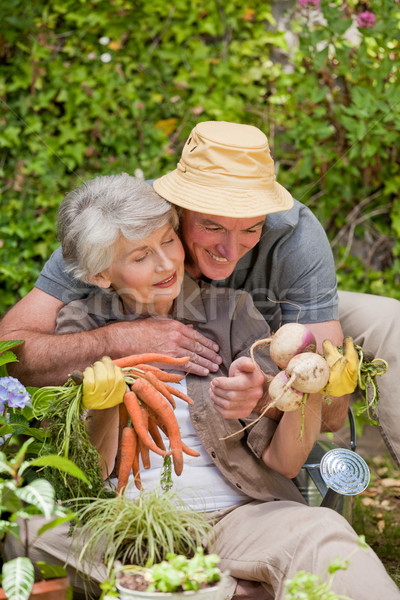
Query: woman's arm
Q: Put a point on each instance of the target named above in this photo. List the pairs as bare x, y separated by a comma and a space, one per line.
294, 438
102, 427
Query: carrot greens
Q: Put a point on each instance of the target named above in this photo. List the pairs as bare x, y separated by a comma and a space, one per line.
63, 416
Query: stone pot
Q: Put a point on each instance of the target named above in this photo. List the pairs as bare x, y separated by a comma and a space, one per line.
215, 592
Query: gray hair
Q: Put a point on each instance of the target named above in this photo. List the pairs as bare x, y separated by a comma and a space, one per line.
94, 216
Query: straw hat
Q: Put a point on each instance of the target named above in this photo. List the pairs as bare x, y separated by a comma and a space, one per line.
226, 169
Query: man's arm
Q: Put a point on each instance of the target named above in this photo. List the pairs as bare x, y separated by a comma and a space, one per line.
334, 413
47, 359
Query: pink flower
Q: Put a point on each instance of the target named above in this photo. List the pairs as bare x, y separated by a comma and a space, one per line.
366, 19
305, 3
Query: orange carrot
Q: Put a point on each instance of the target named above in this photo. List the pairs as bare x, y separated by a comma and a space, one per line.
161, 387
155, 434
143, 448
154, 400
127, 451
133, 407
135, 465
135, 359
161, 375
145, 454
157, 423
178, 393
189, 451
123, 422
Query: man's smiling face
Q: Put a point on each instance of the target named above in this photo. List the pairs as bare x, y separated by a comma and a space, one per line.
215, 244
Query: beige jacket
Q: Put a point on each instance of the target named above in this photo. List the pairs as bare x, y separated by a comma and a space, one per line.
229, 318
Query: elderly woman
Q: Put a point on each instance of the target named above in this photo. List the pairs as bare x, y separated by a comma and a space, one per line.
120, 236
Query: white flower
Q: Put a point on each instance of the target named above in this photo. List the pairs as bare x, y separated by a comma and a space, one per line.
104, 40
139, 174
105, 57
92, 55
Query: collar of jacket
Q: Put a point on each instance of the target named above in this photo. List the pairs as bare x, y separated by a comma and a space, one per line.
189, 305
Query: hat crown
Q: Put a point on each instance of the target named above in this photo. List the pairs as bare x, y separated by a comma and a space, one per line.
226, 169
236, 151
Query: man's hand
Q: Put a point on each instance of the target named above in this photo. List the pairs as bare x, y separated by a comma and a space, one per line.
167, 336
103, 385
343, 374
236, 396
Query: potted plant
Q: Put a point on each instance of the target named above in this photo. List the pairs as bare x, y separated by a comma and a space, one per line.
143, 532
152, 546
154, 533
24, 495
175, 577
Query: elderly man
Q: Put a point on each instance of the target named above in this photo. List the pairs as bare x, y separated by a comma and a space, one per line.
119, 234
240, 229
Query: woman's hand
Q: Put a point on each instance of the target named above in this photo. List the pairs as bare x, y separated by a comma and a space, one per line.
236, 396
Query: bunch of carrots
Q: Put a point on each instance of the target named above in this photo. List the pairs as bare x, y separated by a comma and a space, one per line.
148, 407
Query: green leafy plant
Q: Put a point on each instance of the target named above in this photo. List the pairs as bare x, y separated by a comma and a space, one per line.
15, 411
24, 495
176, 573
16, 417
89, 92
86, 93
22, 501
336, 115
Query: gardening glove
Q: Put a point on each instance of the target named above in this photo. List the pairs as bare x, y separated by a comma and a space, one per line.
103, 385
343, 376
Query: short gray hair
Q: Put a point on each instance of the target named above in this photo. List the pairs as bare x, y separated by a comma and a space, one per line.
94, 216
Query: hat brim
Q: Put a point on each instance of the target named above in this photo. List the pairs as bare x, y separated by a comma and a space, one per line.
223, 201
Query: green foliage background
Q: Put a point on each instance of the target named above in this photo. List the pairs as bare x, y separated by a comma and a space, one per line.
330, 107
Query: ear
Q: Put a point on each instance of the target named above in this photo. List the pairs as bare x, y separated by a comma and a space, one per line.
101, 280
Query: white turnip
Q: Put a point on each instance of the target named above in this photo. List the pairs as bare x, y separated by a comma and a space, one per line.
284, 397
288, 341
307, 372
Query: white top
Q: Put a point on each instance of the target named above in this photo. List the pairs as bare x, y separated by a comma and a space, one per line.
200, 485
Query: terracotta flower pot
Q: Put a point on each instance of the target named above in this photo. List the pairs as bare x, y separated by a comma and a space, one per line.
52, 589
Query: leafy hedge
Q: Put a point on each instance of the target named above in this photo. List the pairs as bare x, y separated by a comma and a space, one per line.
339, 114
97, 87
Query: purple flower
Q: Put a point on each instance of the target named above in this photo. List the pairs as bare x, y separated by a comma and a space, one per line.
366, 19
305, 3
13, 393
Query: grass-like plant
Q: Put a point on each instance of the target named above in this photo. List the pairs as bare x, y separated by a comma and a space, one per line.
140, 532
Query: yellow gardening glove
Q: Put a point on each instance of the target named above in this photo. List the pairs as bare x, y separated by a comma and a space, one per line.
343, 374
103, 385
